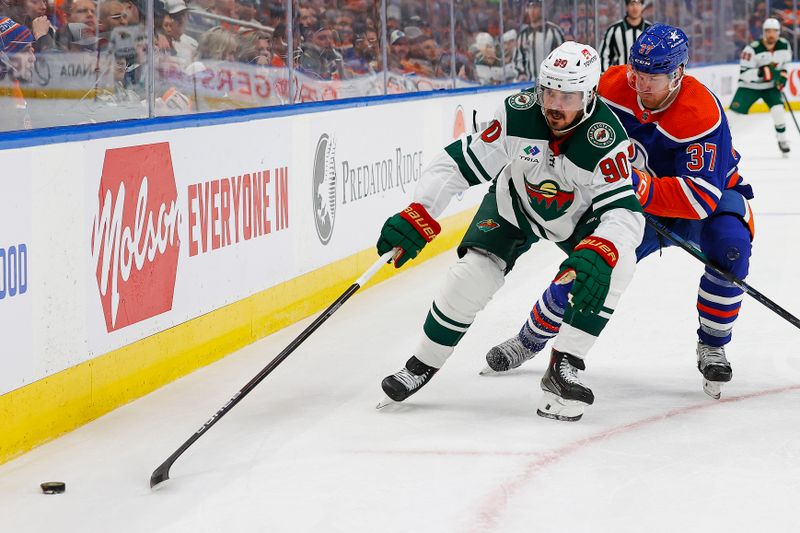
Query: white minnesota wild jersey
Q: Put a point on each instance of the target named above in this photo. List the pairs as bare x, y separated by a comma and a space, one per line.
756, 55
544, 187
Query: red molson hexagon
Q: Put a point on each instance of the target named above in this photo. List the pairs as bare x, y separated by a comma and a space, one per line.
135, 240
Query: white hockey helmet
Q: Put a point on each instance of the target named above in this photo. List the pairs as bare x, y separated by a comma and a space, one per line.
771, 24
571, 68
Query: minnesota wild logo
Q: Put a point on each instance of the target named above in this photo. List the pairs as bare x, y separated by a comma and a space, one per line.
487, 225
548, 200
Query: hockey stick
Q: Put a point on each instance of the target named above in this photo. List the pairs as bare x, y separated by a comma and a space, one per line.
697, 254
161, 473
791, 112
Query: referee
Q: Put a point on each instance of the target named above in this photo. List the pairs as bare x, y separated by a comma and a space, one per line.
621, 35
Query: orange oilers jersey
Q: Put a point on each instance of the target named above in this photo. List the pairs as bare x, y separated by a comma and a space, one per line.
686, 146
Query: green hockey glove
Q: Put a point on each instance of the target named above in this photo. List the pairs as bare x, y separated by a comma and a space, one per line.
410, 230
591, 264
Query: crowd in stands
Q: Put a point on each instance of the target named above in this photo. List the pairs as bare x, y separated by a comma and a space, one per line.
221, 54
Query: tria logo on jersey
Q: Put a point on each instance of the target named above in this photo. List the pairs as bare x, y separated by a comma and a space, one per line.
135, 240
530, 152
547, 199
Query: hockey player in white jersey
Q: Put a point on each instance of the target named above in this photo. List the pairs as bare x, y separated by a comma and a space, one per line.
762, 76
558, 160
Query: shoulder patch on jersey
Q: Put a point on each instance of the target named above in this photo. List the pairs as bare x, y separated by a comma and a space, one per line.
521, 101
601, 135
595, 138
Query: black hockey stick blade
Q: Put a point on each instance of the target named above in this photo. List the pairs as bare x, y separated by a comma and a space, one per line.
161, 474
697, 254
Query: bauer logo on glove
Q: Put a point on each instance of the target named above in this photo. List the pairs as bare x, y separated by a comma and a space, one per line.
410, 230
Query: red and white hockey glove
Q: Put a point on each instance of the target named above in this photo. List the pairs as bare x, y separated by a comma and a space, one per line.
590, 264
410, 230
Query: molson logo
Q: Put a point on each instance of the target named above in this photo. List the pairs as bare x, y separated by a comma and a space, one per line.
135, 239
324, 187
548, 200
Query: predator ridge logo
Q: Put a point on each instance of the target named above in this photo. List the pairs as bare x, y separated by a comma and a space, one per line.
324, 187
547, 200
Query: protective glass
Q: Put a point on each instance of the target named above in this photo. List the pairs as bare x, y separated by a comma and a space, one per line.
560, 100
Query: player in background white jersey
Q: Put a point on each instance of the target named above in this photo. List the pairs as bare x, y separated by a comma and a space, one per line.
762, 76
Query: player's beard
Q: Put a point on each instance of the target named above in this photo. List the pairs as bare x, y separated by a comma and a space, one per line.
557, 120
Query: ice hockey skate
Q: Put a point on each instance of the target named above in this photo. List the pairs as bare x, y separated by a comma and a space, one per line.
508, 355
716, 370
784, 147
406, 381
565, 397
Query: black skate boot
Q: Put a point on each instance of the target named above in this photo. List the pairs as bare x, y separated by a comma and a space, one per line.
716, 370
408, 380
565, 397
509, 354
784, 148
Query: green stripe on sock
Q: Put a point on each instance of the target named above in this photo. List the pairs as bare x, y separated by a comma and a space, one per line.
446, 318
439, 333
591, 324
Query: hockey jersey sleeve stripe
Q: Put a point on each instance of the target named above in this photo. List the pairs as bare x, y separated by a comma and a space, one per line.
672, 198
708, 202
609, 197
477, 164
455, 151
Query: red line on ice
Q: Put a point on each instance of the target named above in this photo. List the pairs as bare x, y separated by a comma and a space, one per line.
494, 505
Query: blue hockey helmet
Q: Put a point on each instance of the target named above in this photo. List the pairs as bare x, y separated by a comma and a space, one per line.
660, 49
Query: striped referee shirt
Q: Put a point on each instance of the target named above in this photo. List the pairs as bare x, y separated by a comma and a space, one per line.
617, 43
533, 45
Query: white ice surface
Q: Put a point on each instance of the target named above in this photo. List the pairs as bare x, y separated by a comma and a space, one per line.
308, 452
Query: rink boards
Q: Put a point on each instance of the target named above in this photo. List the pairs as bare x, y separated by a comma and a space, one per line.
130, 260
131, 257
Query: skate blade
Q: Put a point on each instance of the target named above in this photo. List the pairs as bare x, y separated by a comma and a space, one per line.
557, 408
713, 388
489, 371
384, 402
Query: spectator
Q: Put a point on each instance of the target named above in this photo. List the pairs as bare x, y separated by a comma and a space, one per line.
112, 15
307, 21
621, 35
196, 23
78, 33
246, 10
320, 58
537, 38
135, 12
393, 18
509, 46
16, 65
256, 48
33, 15
488, 68
280, 47
175, 19
398, 53
367, 50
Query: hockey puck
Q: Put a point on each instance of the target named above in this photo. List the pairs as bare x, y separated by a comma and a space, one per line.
53, 487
